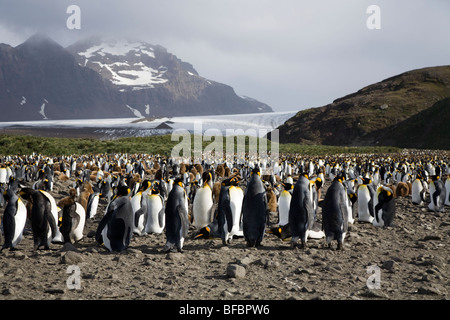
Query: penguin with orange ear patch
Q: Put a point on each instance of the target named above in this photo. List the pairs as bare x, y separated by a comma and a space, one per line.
116, 227
176, 217
384, 207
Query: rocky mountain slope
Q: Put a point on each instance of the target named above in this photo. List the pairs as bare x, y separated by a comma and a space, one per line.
407, 110
97, 78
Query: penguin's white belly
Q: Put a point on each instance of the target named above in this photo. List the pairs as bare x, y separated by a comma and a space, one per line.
93, 208
284, 203
350, 218
154, 206
432, 205
136, 205
77, 233
20, 220
416, 189
447, 192
363, 205
236, 198
201, 208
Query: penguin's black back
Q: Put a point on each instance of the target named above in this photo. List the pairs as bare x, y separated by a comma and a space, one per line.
254, 210
332, 214
176, 215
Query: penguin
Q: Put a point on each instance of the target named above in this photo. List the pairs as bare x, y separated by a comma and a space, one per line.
115, 228
43, 224
352, 198
437, 194
92, 205
384, 207
229, 210
255, 211
202, 205
155, 211
73, 218
57, 237
211, 231
447, 190
284, 201
139, 205
418, 192
14, 219
365, 195
301, 211
176, 217
335, 213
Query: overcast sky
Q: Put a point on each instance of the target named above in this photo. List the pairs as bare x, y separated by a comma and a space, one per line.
290, 54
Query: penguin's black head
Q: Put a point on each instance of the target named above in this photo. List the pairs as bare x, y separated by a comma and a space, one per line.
235, 180
318, 182
288, 186
178, 181
366, 181
435, 177
203, 233
145, 185
256, 170
123, 191
206, 176
353, 197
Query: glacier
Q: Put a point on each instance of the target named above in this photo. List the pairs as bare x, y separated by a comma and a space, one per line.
141, 126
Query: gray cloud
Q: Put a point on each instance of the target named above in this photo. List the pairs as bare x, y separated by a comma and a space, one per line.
290, 54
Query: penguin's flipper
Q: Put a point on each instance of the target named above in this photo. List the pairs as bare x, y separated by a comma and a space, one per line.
9, 226
137, 215
105, 220
228, 215
435, 196
184, 220
161, 216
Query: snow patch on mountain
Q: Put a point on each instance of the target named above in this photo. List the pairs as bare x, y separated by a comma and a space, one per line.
113, 57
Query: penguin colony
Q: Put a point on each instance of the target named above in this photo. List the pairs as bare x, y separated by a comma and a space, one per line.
185, 201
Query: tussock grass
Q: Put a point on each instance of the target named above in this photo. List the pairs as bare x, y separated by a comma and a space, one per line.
163, 145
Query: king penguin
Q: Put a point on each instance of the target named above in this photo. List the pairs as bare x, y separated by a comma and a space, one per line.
73, 218
176, 216
384, 207
57, 237
437, 194
418, 191
139, 206
92, 205
155, 210
43, 224
14, 219
301, 211
202, 206
255, 211
229, 210
284, 202
115, 228
365, 195
335, 213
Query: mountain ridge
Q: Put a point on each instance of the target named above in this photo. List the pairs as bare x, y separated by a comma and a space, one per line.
375, 114
42, 79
